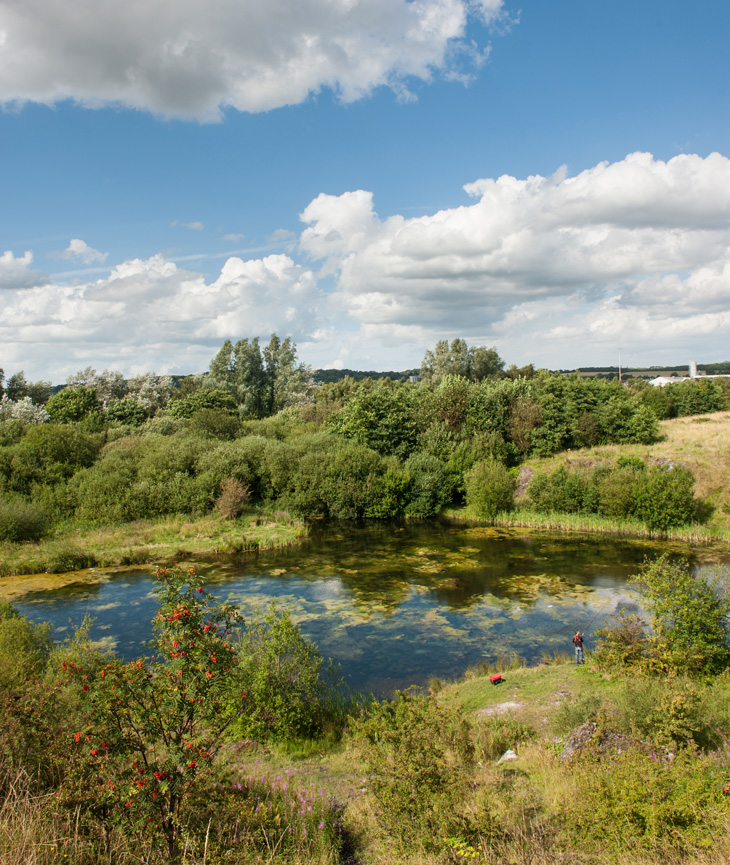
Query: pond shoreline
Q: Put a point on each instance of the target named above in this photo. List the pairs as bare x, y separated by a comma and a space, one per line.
144, 542
181, 538
591, 524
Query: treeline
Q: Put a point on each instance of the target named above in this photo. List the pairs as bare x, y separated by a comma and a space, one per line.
257, 428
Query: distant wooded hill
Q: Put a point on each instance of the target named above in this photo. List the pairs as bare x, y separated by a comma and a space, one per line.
327, 376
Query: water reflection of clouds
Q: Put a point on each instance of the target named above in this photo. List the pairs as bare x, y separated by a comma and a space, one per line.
398, 604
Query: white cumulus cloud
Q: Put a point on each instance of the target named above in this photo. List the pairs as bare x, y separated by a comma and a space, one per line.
654, 234
80, 251
190, 58
16, 272
151, 314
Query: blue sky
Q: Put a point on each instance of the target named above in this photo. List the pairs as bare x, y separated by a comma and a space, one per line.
178, 172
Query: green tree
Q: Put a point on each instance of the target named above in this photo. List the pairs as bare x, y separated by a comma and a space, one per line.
152, 726
458, 359
383, 416
489, 488
690, 614
261, 382
73, 404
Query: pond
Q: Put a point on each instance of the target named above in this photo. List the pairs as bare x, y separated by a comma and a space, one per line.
394, 604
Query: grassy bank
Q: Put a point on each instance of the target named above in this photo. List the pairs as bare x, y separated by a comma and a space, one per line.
150, 541
700, 443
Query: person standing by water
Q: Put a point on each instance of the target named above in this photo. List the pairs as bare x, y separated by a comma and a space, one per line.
578, 643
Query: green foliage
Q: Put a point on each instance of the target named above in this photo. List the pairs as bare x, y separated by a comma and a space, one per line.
46, 455
127, 411
383, 417
24, 649
21, 520
430, 485
621, 643
489, 489
72, 404
458, 359
213, 423
152, 726
662, 496
213, 399
666, 498
690, 615
287, 684
562, 491
261, 383
139, 478
638, 798
415, 751
672, 711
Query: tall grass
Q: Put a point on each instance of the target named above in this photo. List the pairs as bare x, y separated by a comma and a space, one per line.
144, 541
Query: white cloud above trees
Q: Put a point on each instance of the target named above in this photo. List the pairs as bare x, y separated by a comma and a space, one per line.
79, 250
635, 247
184, 58
16, 273
557, 270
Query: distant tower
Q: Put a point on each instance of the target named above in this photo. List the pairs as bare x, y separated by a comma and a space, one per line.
693, 369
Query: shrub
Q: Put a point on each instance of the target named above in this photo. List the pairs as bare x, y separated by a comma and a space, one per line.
409, 747
287, 683
72, 404
561, 491
186, 406
617, 489
232, 498
641, 799
213, 423
489, 488
430, 485
21, 521
127, 411
24, 648
690, 615
622, 643
666, 498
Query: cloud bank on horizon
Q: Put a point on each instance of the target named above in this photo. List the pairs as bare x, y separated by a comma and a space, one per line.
192, 59
635, 250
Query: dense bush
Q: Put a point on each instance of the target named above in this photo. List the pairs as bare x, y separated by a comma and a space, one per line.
637, 798
21, 520
287, 683
72, 404
430, 486
127, 411
690, 615
24, 649
381, 416
416, 751
489, 489
187, 406
47, 455
660, 496
666, 497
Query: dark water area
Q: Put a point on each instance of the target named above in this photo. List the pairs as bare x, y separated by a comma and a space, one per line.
394, 604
